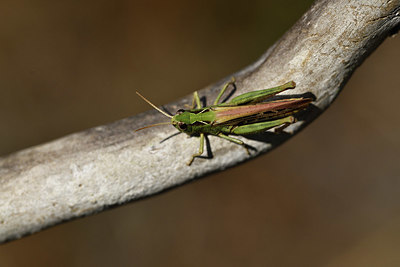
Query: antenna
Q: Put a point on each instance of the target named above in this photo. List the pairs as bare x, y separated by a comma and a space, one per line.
148, 126
154, 106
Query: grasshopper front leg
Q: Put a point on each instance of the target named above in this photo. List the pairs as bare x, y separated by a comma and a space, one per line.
195, 101
201, 150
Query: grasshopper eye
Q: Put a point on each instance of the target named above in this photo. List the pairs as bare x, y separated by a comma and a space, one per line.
180, 111
182, 126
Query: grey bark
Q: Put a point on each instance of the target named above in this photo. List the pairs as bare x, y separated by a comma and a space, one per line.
86, 172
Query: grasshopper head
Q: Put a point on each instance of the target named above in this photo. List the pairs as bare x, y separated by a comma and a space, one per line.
181, 121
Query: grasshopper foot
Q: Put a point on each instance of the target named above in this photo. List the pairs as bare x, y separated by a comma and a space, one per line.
247, 149
280, 129
190, 161
201, 150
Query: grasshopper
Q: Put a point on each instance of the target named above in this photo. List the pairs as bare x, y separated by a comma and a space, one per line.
244, 114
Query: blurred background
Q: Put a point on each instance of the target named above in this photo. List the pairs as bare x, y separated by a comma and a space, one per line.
328, 197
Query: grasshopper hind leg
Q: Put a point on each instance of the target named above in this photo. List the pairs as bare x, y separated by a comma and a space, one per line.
254, 128
263, 126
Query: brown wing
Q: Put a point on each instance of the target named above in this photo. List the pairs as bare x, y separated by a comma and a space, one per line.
259, 112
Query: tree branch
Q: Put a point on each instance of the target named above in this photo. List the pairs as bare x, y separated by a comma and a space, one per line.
109, 165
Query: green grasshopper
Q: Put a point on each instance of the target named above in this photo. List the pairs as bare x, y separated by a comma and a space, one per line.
244, 114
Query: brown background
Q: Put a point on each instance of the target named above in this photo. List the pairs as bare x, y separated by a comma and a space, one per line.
330, 196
